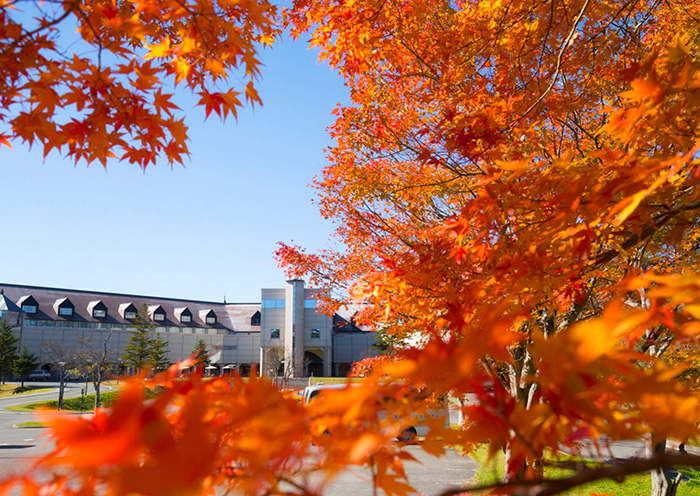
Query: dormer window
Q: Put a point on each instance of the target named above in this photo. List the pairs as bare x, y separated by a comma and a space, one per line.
28, 304
157, 313
184, 315
97, 309
128, 311
208, 316
255, 319
63, 307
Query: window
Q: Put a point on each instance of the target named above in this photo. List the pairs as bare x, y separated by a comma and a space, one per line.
29, 308
274, 333
97, 309
128, 310
310, 303
185, 318
255, 319
273, 303
160, 317
207, 316
28, 304
65, 311
315, 333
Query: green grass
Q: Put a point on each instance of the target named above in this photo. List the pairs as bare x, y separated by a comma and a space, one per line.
69, 404
10, 390
492, 472
30, 424
74, 404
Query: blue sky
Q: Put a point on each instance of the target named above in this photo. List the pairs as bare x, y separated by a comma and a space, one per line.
204, 231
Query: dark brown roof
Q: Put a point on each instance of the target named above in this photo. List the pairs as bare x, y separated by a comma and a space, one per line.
229, 316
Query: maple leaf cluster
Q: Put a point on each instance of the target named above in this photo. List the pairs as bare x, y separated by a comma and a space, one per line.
106, 91
200, 435
517, 184
514, 183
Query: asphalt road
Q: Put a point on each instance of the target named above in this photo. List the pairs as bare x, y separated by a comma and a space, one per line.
19, 447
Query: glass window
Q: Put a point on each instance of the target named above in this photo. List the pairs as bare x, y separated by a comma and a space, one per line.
129, 315
159, 317
211, 320
30, 322
310, 303
212, 331
99, 313
274, 333
185, 318
273, 303
66, 311
315, 333
29, 308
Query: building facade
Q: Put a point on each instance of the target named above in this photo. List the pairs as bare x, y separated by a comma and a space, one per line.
283, 334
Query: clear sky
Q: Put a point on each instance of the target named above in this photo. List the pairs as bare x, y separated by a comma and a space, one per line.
205, 231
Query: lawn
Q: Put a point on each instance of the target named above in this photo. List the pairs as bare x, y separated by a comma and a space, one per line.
632, 486
75, 404
8, 390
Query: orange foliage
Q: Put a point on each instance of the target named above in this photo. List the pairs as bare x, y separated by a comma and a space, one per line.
107, 90
198, 435
517, 184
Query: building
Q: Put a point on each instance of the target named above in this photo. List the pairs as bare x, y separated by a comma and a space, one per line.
284, 334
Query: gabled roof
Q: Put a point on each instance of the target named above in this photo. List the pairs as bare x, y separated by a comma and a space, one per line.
127, 307
6, 304
28, 299
96, 304
62, 303
179, 312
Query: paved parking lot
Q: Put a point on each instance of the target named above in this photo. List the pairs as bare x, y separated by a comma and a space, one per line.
430, 475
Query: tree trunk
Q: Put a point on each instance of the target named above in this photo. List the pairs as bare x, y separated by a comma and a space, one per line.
662, 481
97, 394
61, 387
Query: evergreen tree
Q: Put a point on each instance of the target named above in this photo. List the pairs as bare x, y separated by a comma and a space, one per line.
200, 353
159, 353
137, 353
24, 364
8, 349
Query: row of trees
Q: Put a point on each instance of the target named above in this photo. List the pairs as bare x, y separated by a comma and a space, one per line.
13, 359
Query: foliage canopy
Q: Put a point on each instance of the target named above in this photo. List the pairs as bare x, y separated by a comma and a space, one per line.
514, 182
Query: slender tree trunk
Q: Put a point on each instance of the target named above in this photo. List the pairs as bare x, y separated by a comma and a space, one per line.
97, 384
61, 387
662, 482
